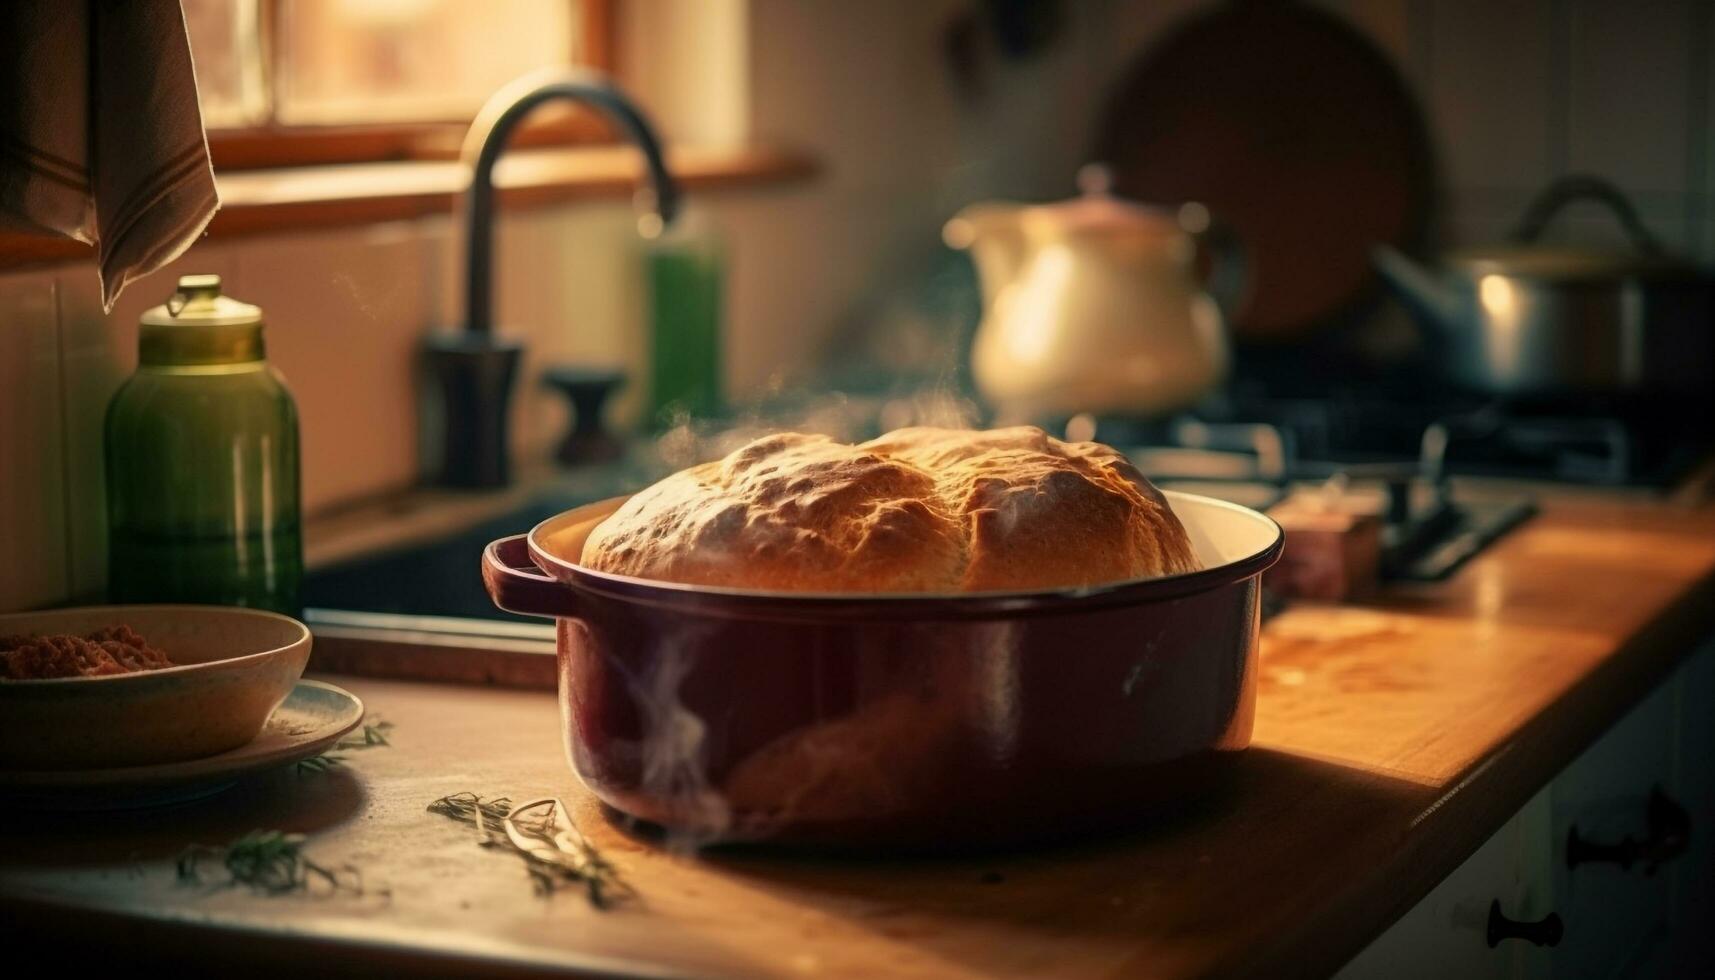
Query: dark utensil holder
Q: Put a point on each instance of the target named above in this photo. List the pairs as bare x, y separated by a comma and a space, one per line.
475, 373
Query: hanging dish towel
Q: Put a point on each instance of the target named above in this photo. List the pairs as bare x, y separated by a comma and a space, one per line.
101, 137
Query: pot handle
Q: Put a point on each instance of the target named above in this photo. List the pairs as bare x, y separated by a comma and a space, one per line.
1227, 280
1584, 187
514, 583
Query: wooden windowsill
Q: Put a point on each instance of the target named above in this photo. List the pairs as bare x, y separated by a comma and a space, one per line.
262, 201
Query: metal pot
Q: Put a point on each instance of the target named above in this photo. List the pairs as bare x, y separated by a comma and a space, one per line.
898, 720
1529, 319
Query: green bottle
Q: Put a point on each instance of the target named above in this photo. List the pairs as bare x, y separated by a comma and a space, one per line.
684, 272
202, 462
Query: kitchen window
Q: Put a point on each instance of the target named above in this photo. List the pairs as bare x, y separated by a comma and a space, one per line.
328, 113
291, 82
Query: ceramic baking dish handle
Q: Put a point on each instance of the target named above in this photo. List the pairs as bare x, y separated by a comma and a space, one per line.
515, 584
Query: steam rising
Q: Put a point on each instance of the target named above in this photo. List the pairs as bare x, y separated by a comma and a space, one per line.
843, 417
875, 759
672, 749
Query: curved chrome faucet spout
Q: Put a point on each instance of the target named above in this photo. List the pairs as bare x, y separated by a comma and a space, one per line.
487, 140
474, 367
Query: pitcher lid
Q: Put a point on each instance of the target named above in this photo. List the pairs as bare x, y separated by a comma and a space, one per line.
1098, 209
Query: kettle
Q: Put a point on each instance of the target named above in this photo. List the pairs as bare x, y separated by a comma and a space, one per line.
1094, 304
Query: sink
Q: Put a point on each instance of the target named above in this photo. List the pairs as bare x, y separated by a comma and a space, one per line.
441, 577
420, 612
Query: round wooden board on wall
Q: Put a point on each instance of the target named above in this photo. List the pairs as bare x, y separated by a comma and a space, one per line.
1297, 132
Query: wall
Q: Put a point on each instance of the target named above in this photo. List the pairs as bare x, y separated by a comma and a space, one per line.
1517, 92
346, 312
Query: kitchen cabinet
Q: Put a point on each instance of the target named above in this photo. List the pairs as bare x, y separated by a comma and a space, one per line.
1692, 877
1613, 899
1619, 902
1446, 934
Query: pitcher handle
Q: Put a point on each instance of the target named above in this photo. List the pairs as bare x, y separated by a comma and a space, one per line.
1228, 279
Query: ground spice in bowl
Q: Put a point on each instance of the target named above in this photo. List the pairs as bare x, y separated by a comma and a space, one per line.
109, 650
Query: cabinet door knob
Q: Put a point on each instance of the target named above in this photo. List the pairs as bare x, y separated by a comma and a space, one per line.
1545, 931
1669, 833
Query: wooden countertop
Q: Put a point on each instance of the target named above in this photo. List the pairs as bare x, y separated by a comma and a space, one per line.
1391, 739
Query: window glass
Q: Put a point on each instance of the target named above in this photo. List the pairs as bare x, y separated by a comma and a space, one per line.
370, 61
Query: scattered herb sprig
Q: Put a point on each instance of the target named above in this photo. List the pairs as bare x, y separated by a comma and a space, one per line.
269, 862
372, 735
321, 763
486, 815
541, 833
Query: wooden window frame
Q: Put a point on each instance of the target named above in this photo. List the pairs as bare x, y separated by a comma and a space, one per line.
278, 178
275, 145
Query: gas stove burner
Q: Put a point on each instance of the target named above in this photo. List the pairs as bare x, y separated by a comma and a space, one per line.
1401, 449
1574, 449
1426, 533
1605, 443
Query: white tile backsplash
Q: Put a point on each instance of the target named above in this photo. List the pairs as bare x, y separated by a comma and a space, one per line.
1630, 92
32, 460
527, 272
1521, 92
774, 331
1490, 91
346, 311
588, 312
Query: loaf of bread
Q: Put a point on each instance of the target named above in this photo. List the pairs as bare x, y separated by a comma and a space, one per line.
918, 510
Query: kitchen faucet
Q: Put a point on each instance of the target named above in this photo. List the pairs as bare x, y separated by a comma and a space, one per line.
476, 368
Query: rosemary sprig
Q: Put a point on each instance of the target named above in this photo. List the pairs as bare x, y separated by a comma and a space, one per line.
320, 763
373, 735
541, 833
270, 862
559, 853
486, 815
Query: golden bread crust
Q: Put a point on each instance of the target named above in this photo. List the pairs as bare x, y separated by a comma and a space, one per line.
916, 510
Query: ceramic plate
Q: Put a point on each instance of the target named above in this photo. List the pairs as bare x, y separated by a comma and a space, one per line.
313, 717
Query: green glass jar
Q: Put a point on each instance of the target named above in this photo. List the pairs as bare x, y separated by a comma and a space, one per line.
202, 462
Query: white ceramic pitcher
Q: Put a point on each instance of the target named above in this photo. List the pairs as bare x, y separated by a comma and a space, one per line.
1092, 305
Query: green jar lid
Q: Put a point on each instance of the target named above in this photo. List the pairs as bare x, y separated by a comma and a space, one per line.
199, 325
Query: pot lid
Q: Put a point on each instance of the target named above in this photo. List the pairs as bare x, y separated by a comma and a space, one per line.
1567, 262
1527, 255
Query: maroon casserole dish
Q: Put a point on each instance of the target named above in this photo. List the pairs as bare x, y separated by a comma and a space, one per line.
888, 721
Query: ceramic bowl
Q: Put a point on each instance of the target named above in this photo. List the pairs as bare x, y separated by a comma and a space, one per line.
235, 667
